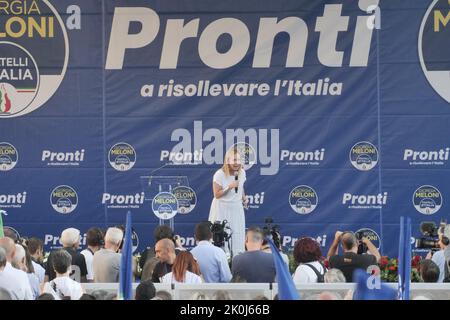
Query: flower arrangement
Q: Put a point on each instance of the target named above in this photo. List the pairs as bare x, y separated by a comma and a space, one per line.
389, 269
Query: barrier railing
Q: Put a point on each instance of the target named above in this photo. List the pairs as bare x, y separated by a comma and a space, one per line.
250, 291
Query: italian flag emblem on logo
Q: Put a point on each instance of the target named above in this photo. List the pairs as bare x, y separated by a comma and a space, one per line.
5, 102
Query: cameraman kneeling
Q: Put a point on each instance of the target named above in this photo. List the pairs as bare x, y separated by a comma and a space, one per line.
351, 260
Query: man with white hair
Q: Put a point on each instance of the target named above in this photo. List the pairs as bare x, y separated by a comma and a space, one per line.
20, 262
70, 239
106, 261
12, 279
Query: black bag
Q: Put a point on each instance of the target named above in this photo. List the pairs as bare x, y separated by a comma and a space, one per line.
320, 276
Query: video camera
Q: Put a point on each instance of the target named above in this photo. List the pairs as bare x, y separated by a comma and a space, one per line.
272, 231
220, 235
431, 232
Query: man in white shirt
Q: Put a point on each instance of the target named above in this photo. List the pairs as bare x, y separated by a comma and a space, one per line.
212, 260
94, 239
14, 280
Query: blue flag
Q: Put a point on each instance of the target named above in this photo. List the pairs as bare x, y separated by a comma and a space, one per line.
366, 289
404, 259
286, 286
126, 265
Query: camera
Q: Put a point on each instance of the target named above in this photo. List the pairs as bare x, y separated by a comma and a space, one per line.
220, 235
362, 247
272, 231
430, 235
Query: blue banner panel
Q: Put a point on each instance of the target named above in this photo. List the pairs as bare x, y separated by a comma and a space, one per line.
339, 109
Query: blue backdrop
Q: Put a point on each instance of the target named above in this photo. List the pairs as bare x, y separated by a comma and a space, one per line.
342, 108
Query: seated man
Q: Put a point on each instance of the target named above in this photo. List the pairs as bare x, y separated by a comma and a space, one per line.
351, 260
165, 252
254, 265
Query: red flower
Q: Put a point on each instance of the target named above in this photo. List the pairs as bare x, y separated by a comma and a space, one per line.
392, 268
384, 261
415, 261
326, 264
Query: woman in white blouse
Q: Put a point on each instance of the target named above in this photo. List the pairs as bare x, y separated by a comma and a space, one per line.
184, 270
229, 199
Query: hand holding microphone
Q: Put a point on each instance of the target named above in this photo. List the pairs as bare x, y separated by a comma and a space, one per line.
236, 179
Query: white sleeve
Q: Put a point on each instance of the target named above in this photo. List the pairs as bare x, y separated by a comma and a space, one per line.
218, 177
301, 275
27, 287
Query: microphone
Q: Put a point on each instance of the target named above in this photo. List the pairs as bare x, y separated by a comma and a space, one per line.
236, 174
157, 169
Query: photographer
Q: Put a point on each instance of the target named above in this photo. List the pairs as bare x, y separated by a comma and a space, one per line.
351, 260
272, 231
441, 258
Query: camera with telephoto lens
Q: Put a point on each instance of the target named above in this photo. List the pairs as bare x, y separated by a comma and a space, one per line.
362, 247
272, 231
220, 235
431, 232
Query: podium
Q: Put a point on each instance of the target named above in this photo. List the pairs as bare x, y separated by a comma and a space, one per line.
159, 190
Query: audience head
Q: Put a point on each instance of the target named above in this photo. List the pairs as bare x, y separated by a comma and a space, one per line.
165, 250
254, 239
162, 295
9, 233
184, 262
62, 260
163, 232
145, 290
199, 296
70, 238
36, 248
429, 271
87, 296
94, 237
2, 258
203, 231
349, 242
326, 295
101, 294
113, 239
334, 276
18, 261
46, 296
307, 250
221, 295
9, 246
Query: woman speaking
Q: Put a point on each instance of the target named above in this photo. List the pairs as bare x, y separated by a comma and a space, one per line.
229, 199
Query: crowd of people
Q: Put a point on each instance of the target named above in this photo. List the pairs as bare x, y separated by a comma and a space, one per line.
25, 275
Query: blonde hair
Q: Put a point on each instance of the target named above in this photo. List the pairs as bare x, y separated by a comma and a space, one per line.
233, 152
